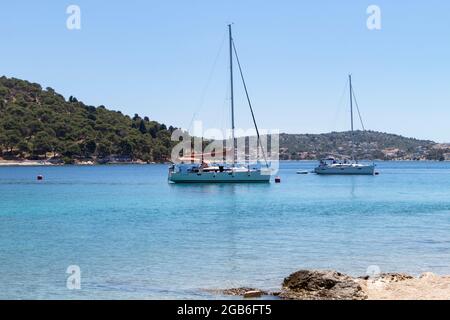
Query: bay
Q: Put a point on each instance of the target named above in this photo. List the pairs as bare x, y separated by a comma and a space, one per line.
135, 236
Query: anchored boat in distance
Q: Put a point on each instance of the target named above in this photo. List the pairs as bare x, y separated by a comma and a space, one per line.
331, 166
198, 170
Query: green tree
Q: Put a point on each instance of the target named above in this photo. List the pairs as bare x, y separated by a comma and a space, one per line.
126, 147
153, 131
23, 147
42, 143
142, 127
72, 150
89, 147
104, 149
3, 91
13, 137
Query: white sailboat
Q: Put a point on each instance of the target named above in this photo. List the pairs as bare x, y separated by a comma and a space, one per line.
331, 166
200, 171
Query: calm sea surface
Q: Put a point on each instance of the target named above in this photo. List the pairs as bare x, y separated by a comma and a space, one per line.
135, 236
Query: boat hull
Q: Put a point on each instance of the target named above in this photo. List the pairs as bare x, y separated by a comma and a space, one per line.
346, 170
219, 177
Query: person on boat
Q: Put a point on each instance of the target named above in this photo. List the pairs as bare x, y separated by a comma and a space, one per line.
204, 165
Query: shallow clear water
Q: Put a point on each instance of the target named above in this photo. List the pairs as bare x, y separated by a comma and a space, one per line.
136, 236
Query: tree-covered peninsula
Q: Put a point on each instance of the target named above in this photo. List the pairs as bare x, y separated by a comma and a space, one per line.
37, 123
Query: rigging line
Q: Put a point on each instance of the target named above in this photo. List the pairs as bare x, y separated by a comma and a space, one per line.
357, 108
250, 105
339, 106
208, 82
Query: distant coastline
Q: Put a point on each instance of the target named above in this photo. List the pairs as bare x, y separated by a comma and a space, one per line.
41, 127
42, 163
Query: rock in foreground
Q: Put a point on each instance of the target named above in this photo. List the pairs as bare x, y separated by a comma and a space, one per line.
321, 285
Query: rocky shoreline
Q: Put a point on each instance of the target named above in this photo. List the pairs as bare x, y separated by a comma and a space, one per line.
30, 163
333, 285
24, 163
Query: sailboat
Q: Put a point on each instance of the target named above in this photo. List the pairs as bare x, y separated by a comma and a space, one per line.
331, 166
191, 171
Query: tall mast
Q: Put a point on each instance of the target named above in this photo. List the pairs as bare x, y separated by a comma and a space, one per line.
351, 100
351, 112
232, 95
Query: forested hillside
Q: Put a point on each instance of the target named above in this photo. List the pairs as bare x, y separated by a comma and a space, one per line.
363, 144
37, 123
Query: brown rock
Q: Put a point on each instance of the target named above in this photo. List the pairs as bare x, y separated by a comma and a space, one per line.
243, 291
321, 285
253, 294
394, 277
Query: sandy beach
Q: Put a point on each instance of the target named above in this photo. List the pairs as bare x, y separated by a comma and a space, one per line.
24, 163
428, 286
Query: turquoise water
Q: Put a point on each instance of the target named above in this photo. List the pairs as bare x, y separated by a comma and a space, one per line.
135, 236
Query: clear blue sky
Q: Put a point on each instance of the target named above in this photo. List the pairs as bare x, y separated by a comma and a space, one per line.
155, 58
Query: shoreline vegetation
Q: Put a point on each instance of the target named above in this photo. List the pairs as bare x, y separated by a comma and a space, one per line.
332, 285
40, 126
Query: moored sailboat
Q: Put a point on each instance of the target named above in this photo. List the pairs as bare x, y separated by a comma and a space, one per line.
331, 166
198, 170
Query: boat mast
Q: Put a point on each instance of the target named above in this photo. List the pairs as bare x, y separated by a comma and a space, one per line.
351, 113
232, 95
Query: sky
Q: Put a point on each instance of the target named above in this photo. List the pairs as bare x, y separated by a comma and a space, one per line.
168, 60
